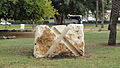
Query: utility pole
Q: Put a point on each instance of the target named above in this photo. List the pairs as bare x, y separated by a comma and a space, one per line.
97, 11
103, 6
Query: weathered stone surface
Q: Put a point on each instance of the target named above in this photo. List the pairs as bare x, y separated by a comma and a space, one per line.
71, 43
44, 37
75, 35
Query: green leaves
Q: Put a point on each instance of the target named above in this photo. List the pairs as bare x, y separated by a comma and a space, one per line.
69, 6
26, 9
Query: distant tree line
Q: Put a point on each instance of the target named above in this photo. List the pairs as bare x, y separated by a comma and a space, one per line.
79, 7
39, 9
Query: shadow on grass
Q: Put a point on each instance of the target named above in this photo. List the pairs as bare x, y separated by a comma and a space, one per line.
106, 45
61, 56
21, 52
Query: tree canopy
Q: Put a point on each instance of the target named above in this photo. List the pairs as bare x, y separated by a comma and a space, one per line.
69, 6
38, 9
26, 9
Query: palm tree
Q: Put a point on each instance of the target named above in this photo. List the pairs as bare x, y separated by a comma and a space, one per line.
103, 6
97, 12
114, 21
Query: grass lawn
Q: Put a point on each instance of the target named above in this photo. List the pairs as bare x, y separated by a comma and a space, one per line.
17, 53
99, 26
17, 27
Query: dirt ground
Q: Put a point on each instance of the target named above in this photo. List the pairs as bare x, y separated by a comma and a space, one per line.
18, 34
30, 34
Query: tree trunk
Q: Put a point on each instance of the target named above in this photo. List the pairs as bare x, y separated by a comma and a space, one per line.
114, 21
110, 20
60, 18
97, 11
102, 24
33, 24
5, 24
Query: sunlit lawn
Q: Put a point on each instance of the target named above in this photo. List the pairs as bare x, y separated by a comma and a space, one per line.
17, 27
17, 53
99, 26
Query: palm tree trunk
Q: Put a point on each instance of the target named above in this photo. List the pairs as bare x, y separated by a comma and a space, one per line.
114, 21
110, 20
102, 24
97, 11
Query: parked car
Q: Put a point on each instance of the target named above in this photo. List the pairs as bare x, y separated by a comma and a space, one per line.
89, 19
74, 19
5, 23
